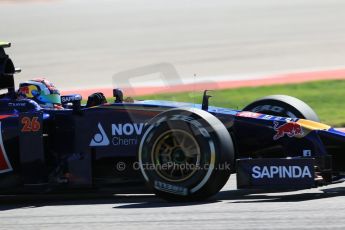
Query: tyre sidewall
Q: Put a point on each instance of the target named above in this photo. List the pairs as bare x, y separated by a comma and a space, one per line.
204, 181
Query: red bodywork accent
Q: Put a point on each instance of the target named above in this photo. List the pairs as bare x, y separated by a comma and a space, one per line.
5, 165
3, 162
5, 116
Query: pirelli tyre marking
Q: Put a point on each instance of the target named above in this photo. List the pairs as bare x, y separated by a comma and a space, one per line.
5, 165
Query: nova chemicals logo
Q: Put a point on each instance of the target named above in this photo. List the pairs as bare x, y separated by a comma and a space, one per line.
100, 139
126, 134
121, 135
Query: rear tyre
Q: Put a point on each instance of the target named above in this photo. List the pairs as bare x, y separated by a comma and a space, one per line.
284, 106
186, 155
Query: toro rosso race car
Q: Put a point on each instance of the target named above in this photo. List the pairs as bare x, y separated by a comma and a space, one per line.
181, 151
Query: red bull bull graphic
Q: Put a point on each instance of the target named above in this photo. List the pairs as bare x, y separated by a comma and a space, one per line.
290, 129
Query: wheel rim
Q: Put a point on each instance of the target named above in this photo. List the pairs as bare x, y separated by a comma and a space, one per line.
176, 155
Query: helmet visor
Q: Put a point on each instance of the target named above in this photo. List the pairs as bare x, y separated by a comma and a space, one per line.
51, 98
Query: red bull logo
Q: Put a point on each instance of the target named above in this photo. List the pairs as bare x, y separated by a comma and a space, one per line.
290, 129
27, 90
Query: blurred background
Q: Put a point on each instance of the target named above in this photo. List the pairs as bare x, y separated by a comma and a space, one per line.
83, 43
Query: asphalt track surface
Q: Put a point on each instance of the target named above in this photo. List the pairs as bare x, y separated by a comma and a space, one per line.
84, 43
320, 208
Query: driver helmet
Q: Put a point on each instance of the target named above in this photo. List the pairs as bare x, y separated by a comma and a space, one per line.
41, 91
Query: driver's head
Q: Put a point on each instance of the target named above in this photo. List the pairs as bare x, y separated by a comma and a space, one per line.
41, 91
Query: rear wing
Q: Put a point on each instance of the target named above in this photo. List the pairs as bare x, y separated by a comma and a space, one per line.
7, 69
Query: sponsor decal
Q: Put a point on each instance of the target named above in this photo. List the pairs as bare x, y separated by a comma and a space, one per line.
70, 98
277, 118
281, 172
5, 165
276, 173
290, 129
17, 104
121, 135
248, 114
100, 138
127, 129
126, 134
307, 153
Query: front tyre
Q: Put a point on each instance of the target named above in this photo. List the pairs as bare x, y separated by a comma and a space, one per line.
186, 155
284, 106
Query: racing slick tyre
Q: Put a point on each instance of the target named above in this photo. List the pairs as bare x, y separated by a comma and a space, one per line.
284, 106
186, 154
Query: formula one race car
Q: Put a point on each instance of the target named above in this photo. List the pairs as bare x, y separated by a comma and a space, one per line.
181, 151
